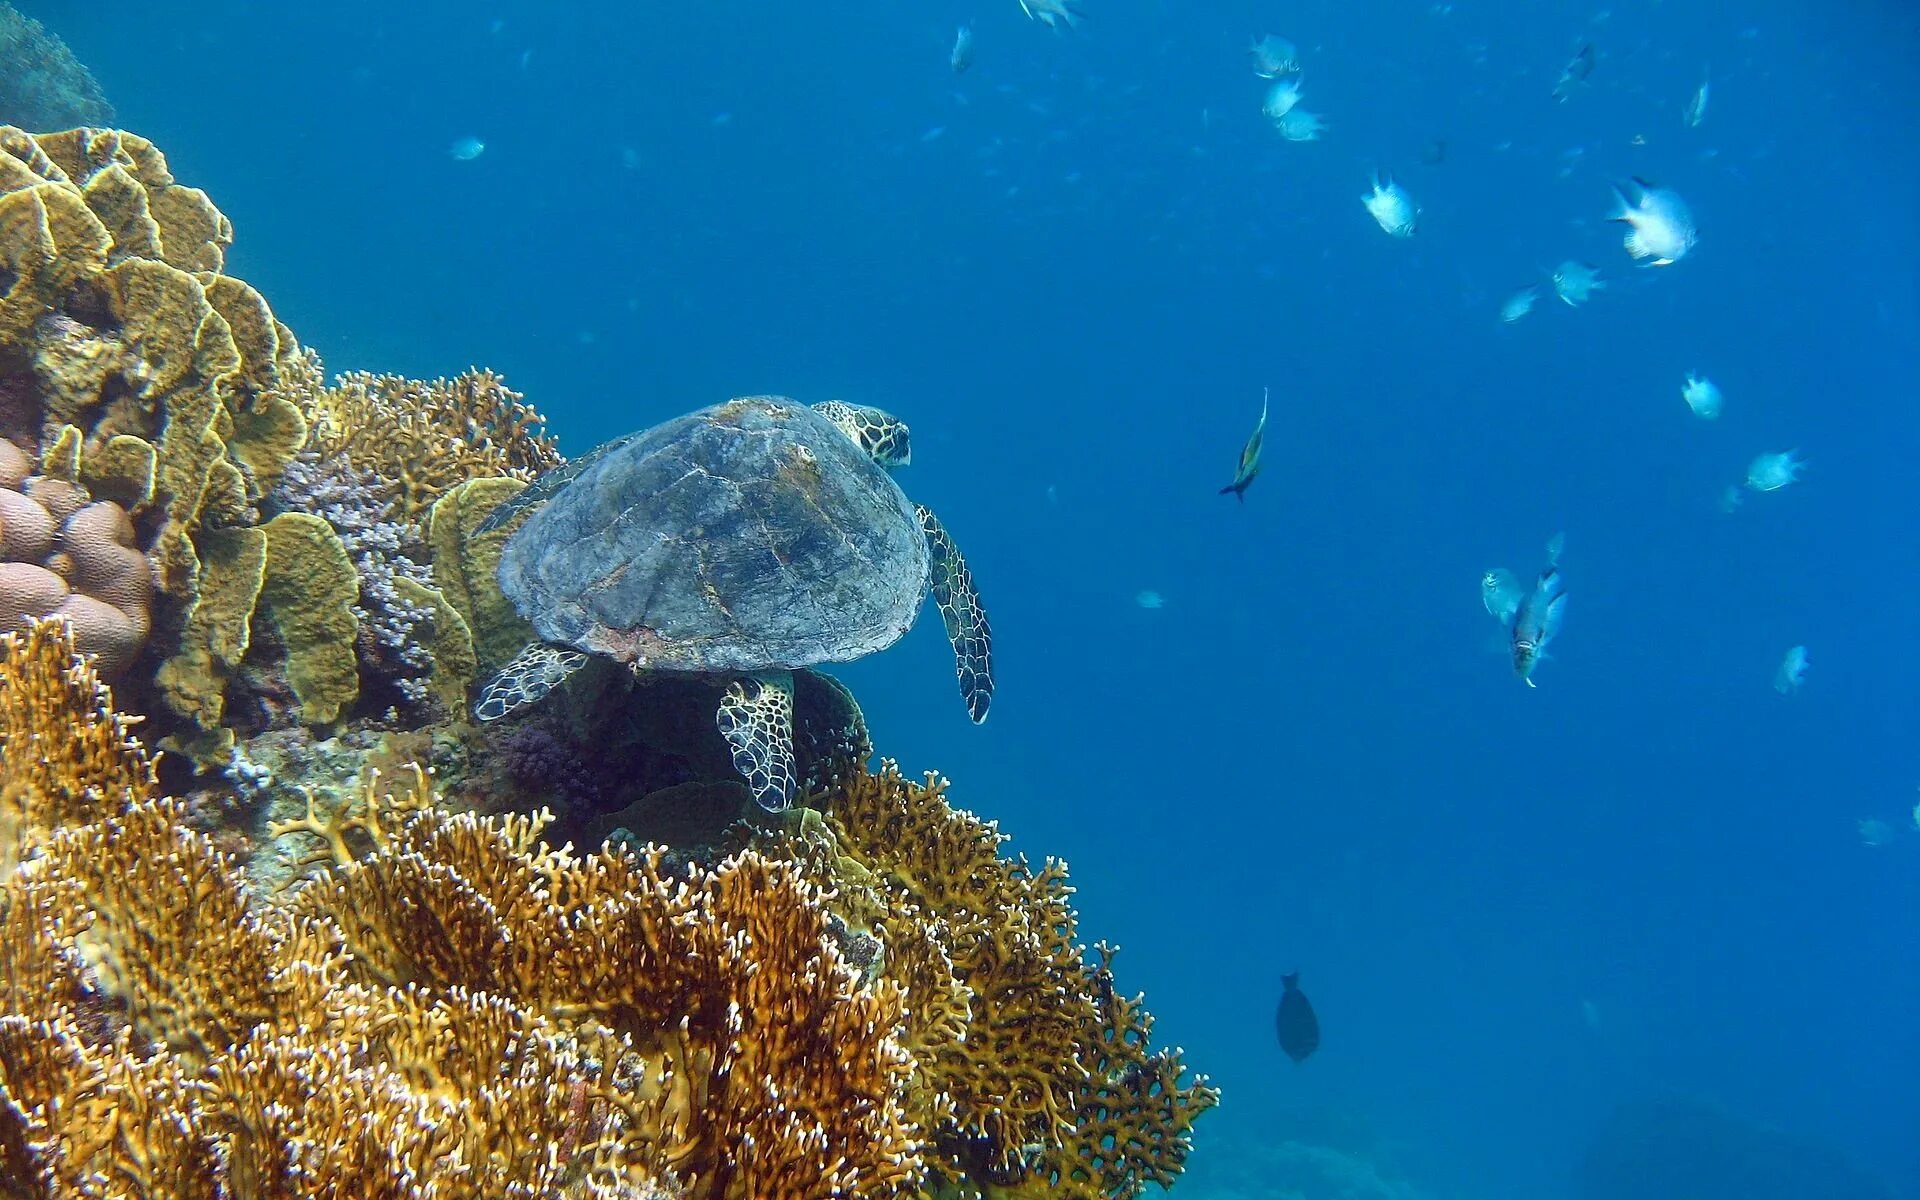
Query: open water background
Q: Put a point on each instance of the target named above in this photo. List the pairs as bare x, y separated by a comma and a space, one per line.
1514, 909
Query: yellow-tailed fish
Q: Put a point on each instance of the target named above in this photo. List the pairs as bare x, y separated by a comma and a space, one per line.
1249, 467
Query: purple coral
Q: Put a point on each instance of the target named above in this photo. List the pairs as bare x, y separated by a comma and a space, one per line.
534, 759
378, 541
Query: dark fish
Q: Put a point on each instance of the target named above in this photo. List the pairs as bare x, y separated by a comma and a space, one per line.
1249, 467
1574, 73
1299, 1029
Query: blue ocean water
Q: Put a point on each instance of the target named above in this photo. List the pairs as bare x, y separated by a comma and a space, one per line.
1074, 269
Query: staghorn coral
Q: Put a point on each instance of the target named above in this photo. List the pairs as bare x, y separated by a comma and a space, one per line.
399, 608
425, 439
42, 85
1034, 1076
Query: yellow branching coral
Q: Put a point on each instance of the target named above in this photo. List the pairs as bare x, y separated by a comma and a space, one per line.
780, 1072
426, 438
161, 1039
1040, 1082
65, 756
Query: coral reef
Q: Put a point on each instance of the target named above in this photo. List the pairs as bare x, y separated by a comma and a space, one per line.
162, 1032
323, 947
449, 996
153, 400
425, 439
178, 482
42, 85
1035, 1075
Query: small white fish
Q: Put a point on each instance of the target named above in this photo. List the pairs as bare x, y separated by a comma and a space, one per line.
467, 149
1274, 56
1697, 107
1052, 13
1281, 98
961, 56
1731, 499
1556, 546
1520, 303
1660, 225
1149, 599
1576, 282
1771, 472
1299, 125
1701, 395
1793, 670
1873, 831
1916, 818
1391, 207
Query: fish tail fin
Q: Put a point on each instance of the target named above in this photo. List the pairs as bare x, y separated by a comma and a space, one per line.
1290, 979
1236, 490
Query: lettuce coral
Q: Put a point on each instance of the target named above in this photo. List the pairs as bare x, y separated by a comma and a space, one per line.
154, 401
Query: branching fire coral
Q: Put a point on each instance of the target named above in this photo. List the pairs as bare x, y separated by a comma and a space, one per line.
424, 439
1035, 1078
450, 1001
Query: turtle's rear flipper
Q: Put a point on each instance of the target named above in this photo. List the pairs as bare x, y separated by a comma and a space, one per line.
531, 674
756, 718
966, 620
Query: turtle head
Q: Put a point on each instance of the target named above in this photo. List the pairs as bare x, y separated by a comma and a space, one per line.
878, 432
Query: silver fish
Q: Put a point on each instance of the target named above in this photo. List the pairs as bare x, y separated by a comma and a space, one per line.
1537, 622
1501, 593
1574, 73
962, 56
1697, 107
1249, 467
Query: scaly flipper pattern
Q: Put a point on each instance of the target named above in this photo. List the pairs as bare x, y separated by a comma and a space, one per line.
966, 620
530, 675
756, 718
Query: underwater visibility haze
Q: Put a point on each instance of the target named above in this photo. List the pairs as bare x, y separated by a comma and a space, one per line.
1587, 335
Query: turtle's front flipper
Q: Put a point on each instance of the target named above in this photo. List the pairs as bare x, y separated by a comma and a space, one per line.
531, 674
756, 718
966, 620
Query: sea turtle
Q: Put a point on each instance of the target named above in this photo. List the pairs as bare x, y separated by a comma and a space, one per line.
744, 540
